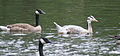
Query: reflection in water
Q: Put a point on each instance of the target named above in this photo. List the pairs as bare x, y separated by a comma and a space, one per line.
74, 35
16, 33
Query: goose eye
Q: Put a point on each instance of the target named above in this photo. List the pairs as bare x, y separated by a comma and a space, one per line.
68, 32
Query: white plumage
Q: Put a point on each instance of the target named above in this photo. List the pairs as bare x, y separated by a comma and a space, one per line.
73, 29
4, 28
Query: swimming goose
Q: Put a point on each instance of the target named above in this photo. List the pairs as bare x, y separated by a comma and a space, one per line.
115, 37
25, 26
73, 29
42, 41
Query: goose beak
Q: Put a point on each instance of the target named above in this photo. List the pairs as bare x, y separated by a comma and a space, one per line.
41, 11
49, 42
45, 40
96, 20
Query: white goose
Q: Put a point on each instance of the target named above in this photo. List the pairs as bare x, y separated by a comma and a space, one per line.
25, 26
73, 29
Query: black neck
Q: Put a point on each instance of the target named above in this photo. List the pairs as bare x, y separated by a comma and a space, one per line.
41, 49
87, 25
37, 19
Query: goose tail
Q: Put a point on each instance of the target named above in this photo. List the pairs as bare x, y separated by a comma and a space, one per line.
58, 26
4, 28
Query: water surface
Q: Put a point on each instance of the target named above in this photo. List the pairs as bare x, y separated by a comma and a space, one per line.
63, 12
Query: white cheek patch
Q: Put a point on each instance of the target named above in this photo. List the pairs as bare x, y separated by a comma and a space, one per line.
36, 12
88, 21
42, 41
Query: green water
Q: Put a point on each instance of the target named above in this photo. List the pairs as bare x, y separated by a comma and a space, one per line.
64, 12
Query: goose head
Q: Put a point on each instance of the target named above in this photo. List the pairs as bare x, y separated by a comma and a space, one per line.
39, 11
44, 41
91, 18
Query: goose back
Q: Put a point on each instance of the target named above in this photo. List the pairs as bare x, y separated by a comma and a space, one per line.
20, 26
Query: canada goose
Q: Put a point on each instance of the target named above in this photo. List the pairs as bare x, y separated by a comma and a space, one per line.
73, 29
25, 26
42, 41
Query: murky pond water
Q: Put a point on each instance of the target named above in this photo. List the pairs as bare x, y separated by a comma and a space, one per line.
64, 12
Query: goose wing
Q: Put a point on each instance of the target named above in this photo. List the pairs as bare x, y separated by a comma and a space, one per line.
20, 26
75, 29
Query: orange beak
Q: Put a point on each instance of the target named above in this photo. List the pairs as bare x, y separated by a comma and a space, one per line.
96, 20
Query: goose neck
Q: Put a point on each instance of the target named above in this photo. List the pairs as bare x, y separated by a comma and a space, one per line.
37, 19
89, 27
41, 49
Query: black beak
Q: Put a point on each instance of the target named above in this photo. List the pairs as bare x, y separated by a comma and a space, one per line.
40, 11
46, 40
